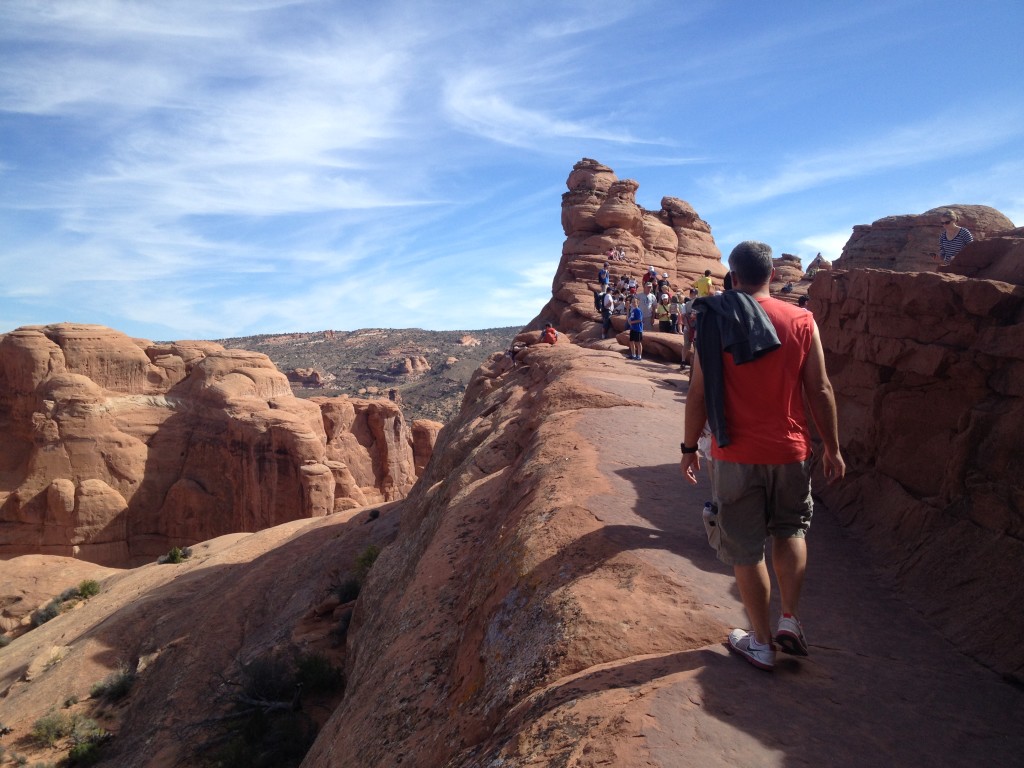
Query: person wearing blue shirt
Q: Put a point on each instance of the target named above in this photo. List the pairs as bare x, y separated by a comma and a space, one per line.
636, 330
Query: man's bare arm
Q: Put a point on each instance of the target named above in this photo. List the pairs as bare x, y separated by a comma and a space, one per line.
821, 398
696, 415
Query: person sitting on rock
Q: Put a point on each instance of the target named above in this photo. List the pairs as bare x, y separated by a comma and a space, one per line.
953, 237
620, 303
549, 335
636, 330
788, 287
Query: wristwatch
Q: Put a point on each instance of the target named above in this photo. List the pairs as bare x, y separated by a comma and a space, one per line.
685, 449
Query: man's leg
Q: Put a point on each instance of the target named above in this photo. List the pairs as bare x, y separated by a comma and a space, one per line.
789, 560
755, 592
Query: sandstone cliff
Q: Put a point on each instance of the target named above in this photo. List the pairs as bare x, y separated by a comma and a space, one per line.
929, 374
116, 449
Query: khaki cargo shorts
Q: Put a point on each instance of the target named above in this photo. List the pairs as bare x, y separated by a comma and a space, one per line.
756, 501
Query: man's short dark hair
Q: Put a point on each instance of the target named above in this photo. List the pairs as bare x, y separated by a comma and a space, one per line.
751, 262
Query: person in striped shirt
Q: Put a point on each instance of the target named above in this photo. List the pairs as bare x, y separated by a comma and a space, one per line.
953, 237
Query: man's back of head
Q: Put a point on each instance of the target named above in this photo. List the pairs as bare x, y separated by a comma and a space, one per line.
751, 263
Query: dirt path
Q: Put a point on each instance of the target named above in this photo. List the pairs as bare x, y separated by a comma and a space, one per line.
880, 688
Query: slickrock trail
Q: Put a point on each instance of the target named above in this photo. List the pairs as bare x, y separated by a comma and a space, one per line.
880, 688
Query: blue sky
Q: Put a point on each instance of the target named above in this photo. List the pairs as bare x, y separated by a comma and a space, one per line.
196, 169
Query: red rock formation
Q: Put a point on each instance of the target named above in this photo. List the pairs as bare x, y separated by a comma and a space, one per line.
905, 243
369, 448
928, 371
412, 365
600, 212
115, 449
306, 377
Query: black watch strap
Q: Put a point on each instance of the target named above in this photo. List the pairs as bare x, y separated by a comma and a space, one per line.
683, 447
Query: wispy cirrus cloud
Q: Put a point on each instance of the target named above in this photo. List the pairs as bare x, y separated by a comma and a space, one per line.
937, 138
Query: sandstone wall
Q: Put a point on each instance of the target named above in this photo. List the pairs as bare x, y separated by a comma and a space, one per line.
600, 212
929, 377
115, 449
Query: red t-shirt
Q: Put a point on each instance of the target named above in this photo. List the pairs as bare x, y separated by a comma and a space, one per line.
764, 406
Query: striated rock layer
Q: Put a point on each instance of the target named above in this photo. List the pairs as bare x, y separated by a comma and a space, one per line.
600, 212
929, 378
116, 448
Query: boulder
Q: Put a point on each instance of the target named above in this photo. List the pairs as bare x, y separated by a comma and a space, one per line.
907, 243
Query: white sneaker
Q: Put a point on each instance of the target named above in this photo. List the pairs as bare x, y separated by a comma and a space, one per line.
790, 636
741, 643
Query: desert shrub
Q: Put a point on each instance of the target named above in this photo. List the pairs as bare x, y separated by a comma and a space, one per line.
88, 588
365, 561
268, 679
52, 727
176, 555
347, 590
316, 673
49, 611
340, 630
278, 740
70, 701
116, 685
69, 594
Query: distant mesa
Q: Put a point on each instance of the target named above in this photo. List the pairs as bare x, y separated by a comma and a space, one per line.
116, 449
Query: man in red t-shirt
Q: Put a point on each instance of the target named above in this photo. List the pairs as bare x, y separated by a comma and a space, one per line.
761, 451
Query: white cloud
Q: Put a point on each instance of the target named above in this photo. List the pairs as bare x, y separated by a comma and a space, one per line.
942, 137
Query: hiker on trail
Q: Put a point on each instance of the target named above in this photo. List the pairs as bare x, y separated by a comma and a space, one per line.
673, 312
607, 306
688, 320
549, 335
756, 358
662, 314
705, 285
636, 330
953, 237
648, 303
603, 276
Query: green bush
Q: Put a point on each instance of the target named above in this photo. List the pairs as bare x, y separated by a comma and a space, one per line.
88, 588
116, 685
49, 611
268, 679
176, 555
316, 673
52, 727
365, 561
346, 591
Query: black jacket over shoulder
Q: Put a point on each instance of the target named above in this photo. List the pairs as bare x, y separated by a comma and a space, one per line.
735, 323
